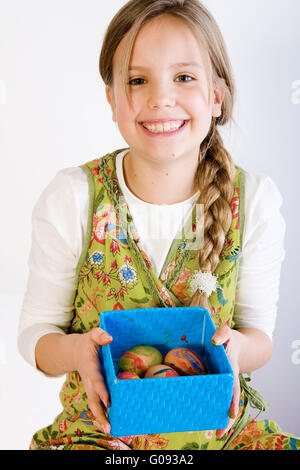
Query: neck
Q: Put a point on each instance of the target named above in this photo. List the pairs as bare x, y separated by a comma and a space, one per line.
160, 183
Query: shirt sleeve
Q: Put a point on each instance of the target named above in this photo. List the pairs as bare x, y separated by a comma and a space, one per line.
262, 255
59, 222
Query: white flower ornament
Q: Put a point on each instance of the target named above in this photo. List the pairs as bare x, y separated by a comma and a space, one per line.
204, 282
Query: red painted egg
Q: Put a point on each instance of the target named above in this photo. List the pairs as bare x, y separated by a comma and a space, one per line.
185, 361
160, 370
139, 359
127, 375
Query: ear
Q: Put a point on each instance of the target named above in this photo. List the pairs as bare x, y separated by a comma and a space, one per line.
219, 95
111, 100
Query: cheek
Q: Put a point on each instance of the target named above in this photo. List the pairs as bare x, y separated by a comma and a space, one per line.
125, 113
123, 116
199, 100
201, 112
126, 121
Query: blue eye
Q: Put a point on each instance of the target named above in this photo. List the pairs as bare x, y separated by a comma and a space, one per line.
185, 77
136, 81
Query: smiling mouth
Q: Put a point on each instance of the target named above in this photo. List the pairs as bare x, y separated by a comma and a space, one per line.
164, 127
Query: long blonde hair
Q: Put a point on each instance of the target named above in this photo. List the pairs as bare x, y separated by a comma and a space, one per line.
215, 172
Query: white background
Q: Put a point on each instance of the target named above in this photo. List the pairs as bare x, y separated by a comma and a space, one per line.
53, 115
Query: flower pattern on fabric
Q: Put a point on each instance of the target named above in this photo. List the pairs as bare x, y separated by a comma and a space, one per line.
235, 209
115, 273
127, 275
96, 258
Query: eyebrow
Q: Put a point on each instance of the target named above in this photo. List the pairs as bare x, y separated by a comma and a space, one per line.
179, 64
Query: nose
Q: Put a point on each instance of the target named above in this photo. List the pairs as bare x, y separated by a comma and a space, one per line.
161, 96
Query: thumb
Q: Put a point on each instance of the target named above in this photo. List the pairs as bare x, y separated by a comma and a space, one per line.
222, 335
100, 336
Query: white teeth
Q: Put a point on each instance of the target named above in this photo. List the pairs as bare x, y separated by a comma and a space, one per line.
169, 126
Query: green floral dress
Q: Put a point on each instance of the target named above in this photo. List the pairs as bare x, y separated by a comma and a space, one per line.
115, 273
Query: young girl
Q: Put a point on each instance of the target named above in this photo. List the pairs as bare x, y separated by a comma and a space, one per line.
169, 84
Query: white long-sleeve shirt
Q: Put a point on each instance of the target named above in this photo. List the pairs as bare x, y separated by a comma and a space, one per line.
59, 224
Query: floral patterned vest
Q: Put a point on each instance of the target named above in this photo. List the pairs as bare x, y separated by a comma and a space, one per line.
115, 273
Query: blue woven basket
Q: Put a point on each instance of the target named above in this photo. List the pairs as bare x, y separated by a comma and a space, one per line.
169, 404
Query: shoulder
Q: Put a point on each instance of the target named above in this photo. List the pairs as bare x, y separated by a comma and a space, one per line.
63, 183
64, 201
263, 217
262, 195
73, 183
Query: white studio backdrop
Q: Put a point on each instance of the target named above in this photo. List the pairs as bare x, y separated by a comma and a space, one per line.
53, 115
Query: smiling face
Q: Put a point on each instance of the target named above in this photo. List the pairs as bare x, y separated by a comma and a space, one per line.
172, 107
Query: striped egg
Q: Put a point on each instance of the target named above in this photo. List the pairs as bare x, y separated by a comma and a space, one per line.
185, 361
160, 370
139, 359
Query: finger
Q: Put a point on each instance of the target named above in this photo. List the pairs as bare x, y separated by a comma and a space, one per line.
100, 388
104, 409
221, 432
101, 337
234, 406
95, 384
97, 409
235, 403
221, 335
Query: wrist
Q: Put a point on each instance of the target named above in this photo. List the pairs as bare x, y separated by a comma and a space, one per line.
255, 349
56, 353
238, 339
70, 349
75, 349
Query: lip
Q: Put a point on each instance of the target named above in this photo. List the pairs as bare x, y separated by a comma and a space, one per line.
164, 134
161, 121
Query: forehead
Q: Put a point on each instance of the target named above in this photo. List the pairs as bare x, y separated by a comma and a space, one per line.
163, 41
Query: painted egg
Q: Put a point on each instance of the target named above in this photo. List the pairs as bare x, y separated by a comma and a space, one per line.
185, 361
140, 358
127, 375
160, 370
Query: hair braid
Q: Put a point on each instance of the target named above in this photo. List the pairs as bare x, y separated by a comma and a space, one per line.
214, 178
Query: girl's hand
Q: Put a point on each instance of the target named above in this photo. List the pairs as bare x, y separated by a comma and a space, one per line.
230, 339
88, 366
